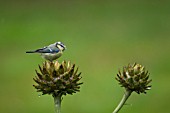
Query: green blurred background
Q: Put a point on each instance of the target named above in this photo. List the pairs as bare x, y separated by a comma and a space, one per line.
101, 37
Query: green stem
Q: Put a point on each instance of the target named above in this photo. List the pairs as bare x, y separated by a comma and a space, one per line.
57, 104
122, 102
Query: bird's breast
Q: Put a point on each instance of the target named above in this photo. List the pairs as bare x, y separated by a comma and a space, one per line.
51, 56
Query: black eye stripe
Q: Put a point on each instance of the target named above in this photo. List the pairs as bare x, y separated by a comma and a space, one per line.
62, 45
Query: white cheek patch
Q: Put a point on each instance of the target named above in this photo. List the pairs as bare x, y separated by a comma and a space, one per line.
60, 47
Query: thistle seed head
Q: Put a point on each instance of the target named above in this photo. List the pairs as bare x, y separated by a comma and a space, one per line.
57, 79
134, 78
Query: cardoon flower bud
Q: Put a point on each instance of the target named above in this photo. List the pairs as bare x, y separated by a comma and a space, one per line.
57, 79
134, 78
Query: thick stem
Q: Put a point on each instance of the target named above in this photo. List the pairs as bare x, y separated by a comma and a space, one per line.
57, 104
122, 102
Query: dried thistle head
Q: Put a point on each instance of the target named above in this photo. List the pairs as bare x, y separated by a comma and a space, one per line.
57, 79
134, 78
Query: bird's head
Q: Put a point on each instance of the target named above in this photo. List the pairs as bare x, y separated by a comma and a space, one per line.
60, 45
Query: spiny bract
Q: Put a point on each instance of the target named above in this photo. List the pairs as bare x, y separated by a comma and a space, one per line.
134, 78
57, 79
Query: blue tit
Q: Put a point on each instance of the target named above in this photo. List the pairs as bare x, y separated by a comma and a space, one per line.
51, 52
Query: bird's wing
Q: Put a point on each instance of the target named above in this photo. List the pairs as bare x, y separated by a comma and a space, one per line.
47, 50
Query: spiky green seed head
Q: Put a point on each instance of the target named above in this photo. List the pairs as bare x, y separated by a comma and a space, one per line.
57, 79
134, 78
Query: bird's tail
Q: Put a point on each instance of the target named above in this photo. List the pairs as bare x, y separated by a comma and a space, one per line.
30, 51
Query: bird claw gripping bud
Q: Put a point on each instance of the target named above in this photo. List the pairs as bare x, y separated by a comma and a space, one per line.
57, 79
134, 78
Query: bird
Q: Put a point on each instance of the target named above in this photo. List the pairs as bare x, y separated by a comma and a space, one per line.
51, 52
